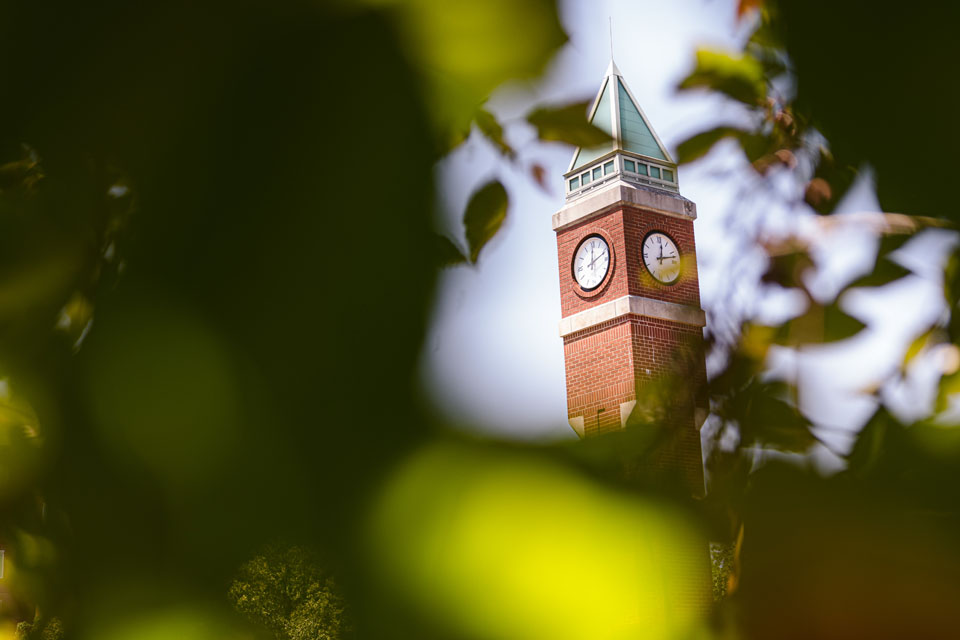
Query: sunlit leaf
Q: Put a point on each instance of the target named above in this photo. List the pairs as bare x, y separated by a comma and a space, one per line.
700, 144
933, 335
738, 76
485, 213
491, 128
567, 124
479, 539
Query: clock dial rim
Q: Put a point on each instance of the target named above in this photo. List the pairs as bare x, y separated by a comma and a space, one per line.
676, 246
576, 252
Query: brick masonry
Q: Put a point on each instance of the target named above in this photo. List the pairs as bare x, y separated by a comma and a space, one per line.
636, 358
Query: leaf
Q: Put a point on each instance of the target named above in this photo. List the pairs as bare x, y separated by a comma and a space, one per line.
885, 272
949, 386
567, 124
819, 324
491, 128
465, 50
746, 6
766, 417
447, 253
485, 213
830, 182
739, 77
539, 175
699, 145
787, 269
933, 335
867, 451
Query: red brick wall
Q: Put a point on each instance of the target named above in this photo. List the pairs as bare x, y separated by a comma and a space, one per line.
600, 374
625, 228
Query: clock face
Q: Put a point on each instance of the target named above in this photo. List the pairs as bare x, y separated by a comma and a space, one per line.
591, 262
662, 257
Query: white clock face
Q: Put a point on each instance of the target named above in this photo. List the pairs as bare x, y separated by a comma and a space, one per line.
591, 263
662, 258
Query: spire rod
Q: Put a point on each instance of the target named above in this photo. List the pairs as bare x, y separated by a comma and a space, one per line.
610, 19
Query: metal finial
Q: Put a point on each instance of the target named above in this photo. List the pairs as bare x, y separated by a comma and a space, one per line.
610, 19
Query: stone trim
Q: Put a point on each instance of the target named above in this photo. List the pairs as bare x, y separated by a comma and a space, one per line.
620, 193
636, 305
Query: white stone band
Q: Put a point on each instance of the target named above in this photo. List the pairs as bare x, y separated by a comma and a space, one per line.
636, 305
620, 193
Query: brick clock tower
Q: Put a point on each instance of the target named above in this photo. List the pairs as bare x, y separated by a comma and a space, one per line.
630, 297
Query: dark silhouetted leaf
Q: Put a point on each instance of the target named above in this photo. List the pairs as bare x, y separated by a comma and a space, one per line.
700, 144
539, 175
868, 448
567, 124
739, 77
819, 324
491, 128
885, 272
448, 254
485, 212
787, 269
766, 417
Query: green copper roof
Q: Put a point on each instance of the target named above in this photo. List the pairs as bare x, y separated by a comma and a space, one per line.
635, 134
602, 119
617, 113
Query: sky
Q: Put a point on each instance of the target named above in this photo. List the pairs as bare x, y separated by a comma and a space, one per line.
493, 359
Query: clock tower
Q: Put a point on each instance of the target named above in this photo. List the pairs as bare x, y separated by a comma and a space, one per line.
630, 297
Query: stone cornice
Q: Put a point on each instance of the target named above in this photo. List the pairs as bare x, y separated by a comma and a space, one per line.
620, 193
635, 305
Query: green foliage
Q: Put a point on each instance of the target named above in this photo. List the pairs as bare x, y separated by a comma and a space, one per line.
740, 77
286, 590
567, 124
192, 362
491, 128
485, 213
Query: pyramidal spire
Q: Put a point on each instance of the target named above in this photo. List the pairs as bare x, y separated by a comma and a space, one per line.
635, 149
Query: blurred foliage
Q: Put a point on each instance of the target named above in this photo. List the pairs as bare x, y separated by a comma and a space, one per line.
211, 315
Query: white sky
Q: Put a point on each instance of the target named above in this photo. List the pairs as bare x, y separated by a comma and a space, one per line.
493, 360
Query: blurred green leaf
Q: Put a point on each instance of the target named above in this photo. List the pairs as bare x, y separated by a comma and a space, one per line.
465, 50
933, 335
491, 128
485, 213
737, 76
567, 124
819, 324
700, 144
